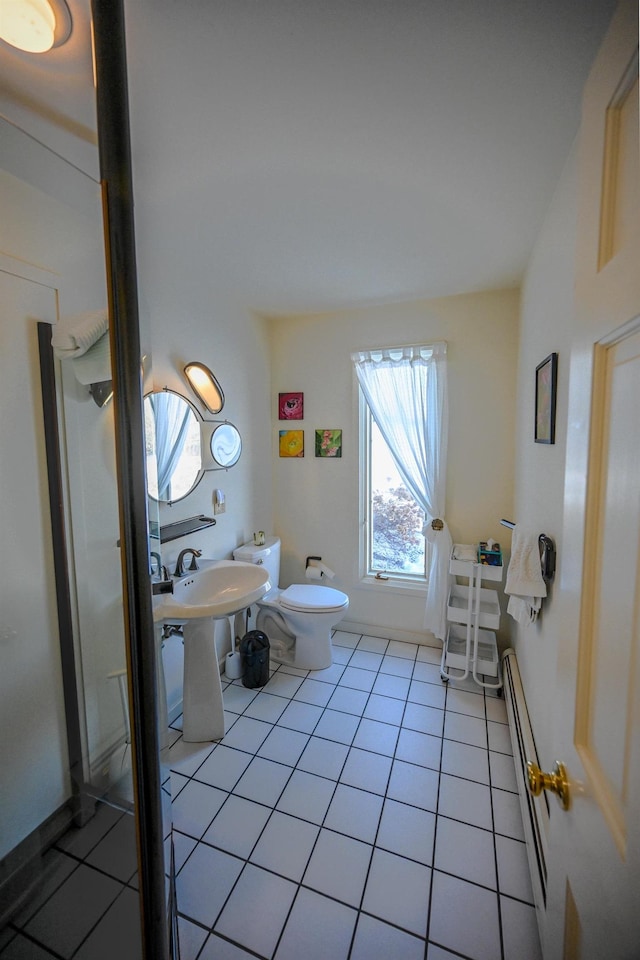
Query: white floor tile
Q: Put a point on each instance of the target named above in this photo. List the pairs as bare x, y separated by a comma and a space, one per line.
407, 831
263, 781
285, 845
427, 672
335, 725
317, 929
465, 851
429, 694
341, 655
513, 869
464, 918
415, 785
185, 758
463, 701
366, 770
357, 679
397, 891
257, 930
397, 666
330, 674
420, 748
499, 737
342, 638
237, 826
223, 768
349, 700
300, 716
218, 949
183, 846
390, 686
376, 940
464, 760
237, 698
284, 746
375, 644
338, 867
195, 807
377, 737
247, 734
465, 800
425, 719
519, 930
307, 796
200, 900
283, 684
366, 660
429, 654
398, 648
354, 812
503, 772
496, 709
323, 757
266, 707
507, 814
466, 729
385, 709
437, 953
191, 939
314, 691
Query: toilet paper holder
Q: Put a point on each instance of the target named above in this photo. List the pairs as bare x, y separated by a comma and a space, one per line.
317, 565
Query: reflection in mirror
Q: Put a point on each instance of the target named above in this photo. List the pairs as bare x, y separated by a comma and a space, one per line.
173, 451
226, 445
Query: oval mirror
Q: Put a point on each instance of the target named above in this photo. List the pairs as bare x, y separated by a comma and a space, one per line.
226, 445
173, 450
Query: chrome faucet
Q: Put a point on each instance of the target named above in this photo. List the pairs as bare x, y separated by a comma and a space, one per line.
180, 570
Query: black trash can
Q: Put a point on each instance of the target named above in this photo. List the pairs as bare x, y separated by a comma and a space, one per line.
254, 650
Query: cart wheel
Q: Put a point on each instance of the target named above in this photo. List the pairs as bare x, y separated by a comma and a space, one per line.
444, 679
499, 692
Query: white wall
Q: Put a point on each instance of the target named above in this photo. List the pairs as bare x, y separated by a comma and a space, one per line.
316, 500
546, 309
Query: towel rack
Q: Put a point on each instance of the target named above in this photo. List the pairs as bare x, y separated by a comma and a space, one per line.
547, 552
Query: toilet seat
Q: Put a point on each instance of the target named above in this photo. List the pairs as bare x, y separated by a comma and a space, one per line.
312, 599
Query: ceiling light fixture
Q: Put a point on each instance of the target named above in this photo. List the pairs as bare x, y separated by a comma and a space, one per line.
205, 386
35, 26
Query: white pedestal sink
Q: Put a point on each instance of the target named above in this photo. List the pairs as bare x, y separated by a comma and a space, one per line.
216, 591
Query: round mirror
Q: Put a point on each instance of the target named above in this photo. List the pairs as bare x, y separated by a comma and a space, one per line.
172, 441
226, 445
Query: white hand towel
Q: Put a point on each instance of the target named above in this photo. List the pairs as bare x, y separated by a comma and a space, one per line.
524, 576
73, 336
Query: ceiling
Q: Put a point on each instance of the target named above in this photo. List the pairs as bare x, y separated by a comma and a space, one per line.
308, 155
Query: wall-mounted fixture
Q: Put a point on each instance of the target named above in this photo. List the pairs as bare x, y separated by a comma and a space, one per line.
173, 445
222, 445
35, 26
205, 386
102, 391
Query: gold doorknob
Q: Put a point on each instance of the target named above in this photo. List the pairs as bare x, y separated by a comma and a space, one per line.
556, 782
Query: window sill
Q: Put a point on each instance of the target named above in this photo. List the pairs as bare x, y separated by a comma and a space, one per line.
395, 585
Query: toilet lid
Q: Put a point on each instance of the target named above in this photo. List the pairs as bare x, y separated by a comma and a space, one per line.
313, 598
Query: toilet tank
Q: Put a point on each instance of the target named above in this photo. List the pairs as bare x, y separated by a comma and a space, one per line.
268, 554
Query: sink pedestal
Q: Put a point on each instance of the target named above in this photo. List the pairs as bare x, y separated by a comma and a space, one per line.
203, 709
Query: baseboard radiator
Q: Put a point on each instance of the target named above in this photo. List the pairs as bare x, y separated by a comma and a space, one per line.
535, 811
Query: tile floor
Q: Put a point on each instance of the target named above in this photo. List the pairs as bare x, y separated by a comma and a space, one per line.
363, 812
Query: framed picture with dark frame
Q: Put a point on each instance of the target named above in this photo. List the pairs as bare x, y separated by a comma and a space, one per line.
546, 385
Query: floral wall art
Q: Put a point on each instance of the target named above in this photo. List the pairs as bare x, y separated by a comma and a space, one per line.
290, 406
291, 443
328, 443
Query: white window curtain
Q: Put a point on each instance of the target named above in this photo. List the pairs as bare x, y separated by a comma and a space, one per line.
172, 424
406, 390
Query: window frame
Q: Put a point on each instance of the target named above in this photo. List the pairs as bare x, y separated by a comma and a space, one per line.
392, 579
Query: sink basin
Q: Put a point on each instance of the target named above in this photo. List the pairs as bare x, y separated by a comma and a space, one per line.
220, 588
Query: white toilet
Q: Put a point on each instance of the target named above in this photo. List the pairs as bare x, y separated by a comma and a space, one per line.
298, 620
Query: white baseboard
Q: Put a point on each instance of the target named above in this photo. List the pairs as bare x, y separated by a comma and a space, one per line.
390, 633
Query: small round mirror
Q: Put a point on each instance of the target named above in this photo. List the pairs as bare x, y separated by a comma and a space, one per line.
172, 442
226, 445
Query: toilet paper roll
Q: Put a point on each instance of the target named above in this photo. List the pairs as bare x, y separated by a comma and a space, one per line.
313, 573
329, 574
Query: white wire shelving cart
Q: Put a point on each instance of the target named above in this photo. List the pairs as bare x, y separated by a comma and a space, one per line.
473, 613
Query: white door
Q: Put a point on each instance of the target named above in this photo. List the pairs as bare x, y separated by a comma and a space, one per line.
593, 908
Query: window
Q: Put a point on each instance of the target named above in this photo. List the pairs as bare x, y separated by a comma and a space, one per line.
393, 544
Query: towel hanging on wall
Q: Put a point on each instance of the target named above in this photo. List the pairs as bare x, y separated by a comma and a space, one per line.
524, 585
